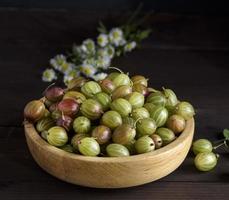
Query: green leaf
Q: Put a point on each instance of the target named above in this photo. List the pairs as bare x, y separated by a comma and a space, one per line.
226, 133
102, 28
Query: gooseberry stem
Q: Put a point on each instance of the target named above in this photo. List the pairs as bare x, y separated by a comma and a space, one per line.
116, 69
48, 88
135, 123
221, 144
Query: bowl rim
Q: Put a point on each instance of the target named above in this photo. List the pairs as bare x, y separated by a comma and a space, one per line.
33, 135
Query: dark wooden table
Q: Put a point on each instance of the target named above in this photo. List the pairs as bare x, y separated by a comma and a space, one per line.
187, 53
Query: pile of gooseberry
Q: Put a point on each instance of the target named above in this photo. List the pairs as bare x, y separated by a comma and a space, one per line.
117, 116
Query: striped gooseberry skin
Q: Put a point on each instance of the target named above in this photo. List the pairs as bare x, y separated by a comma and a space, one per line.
121, 91
76, 139
185, 110
34, 110
136, 99
123, 134
140, 113
128, 120
141, 89
176, 123
138, 79
122, 106
201, 146
166, 135
77, 96
88, 146
57, 136
81, 124
104, 99
102, 134
146, 126
91, 109
111, 119
171, 98
117, 150
107, 86
149, 106
156, 98
89, 89
160, 115
76, 83
45, 123
68, 107
121, 79
205, 161
144, 144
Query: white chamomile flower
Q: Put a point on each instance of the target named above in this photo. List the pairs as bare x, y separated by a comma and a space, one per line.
66, 67
90, 61
72, 74
57, 61
100, 76
102, 40
67, 79
130, 46
122, 42
88, 46
110, 51
49, 75
102, 52
88, 70
103, 62
116, 36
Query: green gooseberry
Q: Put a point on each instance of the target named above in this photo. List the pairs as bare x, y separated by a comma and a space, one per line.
136, 99
117, 150
123, 134
171, 98
57, 136
121, 79
77, 96
156, 98
166, 135
104, 99
146, 126
205, 161
121, 91
144, 144
131, 147
185, 110
128, 120
88, 146
202, 146
149, 106
160, 115
122, 106
111, 119
44, 124
91, 109
76, 139
68, 148
140, 113
112, 76
89, 89
81, 125
138, 79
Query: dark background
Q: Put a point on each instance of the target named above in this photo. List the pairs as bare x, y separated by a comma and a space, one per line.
201, 7
188, 51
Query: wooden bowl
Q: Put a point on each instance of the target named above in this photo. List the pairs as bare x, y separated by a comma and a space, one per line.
101, 172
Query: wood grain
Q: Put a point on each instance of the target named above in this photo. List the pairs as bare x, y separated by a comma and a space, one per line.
117, 172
